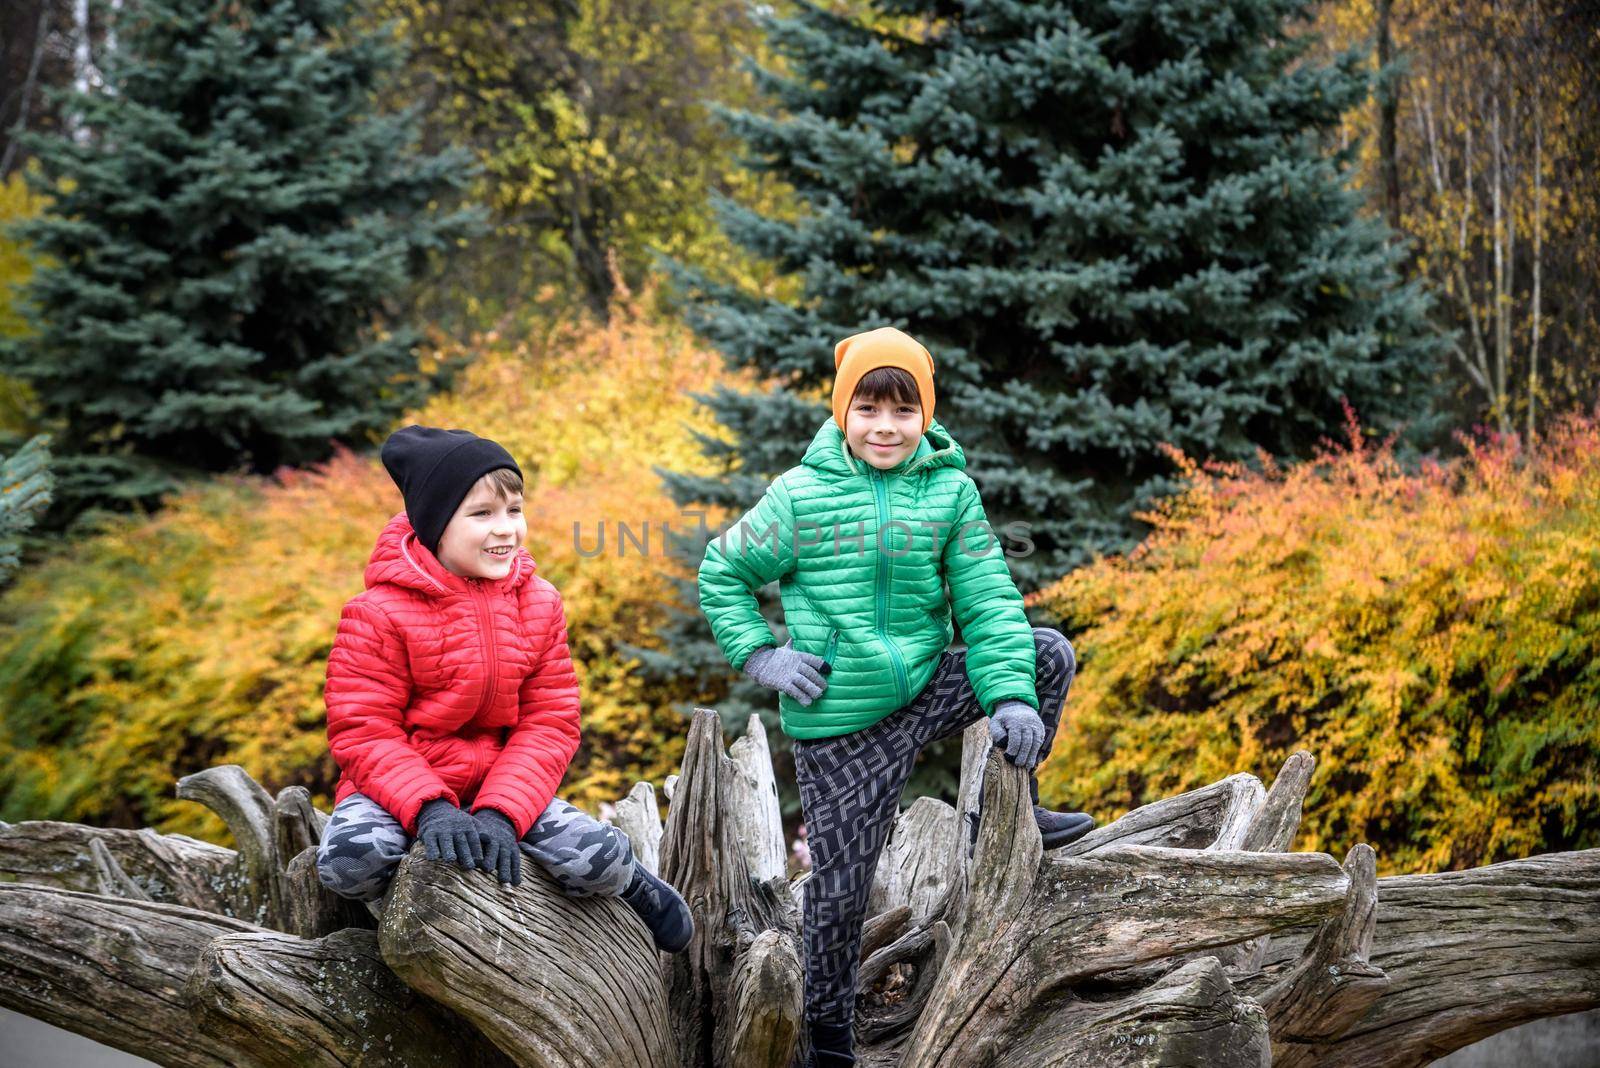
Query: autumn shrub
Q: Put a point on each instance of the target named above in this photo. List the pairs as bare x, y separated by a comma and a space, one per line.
199, 636
18, 260
1431, 636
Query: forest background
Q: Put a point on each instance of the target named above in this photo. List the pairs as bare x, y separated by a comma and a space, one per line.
1277, 321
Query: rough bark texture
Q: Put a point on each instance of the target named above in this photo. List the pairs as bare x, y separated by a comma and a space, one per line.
765, 1006
756, 814
1465, 954
247, 809
111, 969
551, 980
171, 868
1185, 933
1333, 983
639, 817
915, 869
1273, 831
1190, 1016
293, 1003
710, 852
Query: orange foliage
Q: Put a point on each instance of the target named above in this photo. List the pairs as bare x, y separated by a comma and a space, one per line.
1430, 636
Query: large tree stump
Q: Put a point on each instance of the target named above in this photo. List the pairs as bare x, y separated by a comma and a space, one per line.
1186, 932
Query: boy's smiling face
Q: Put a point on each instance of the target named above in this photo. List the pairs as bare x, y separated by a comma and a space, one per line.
483, 535
881, 430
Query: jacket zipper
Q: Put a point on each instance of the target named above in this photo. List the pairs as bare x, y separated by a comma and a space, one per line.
476, 782
487, 620
885, 575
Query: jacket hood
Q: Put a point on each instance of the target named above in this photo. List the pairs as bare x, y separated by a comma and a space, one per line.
400, 559
828, 452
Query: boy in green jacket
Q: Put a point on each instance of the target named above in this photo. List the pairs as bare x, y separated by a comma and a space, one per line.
861, 538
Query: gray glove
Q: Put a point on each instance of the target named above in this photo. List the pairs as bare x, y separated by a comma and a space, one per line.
1019, 729
449, 834
788, 670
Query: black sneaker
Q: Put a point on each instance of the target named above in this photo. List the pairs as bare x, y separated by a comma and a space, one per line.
832, 1046
1061, 828
1055, 828
662, 909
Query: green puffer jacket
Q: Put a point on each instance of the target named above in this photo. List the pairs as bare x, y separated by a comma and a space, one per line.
880, 618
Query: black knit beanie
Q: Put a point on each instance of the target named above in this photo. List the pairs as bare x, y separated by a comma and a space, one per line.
434, 469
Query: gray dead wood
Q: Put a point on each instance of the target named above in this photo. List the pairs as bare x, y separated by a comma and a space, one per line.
296, 824
915, 869
757, 816
1188, 1017
1332, 985
1273, 831
765, 1003
1278, 819
1035, 924
897, 980
171, 868
639, 817
554, 981
955, 868
247, 809
884, 928
287, 1002
111, 969
1146, 943
705, 853
263, 884
310, 909
1468, 954
110, 879
301, 904
1199, 819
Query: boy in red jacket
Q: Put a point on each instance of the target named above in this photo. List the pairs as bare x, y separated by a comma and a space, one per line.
452, 703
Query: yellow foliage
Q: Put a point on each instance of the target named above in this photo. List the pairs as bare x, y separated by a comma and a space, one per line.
592, 128
1496, 188
17, 261
1431, 637
17, 203
200, 636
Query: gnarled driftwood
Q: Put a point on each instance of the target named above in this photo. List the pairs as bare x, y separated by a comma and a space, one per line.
1186, 932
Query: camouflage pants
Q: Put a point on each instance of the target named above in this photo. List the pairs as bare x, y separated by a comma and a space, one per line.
362, 845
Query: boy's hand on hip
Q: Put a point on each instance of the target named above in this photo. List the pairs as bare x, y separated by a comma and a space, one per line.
449, 834
1017, 728
788, 670
499, 839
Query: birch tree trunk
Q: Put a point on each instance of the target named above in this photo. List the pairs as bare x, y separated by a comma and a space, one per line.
85, 76
1185, 932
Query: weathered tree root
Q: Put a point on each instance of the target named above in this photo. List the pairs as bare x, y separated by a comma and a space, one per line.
1185, 932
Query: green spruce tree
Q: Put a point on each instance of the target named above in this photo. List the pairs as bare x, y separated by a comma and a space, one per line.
228, 253
1116, 225
25, 489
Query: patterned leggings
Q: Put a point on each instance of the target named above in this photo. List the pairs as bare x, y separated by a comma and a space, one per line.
850, 793
362, 845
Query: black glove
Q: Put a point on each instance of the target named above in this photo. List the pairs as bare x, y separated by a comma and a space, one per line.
499, 839
449, 834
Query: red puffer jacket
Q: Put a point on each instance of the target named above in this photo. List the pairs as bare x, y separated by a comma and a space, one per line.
442, 686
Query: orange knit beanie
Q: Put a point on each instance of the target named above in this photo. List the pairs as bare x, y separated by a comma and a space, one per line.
858, 354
